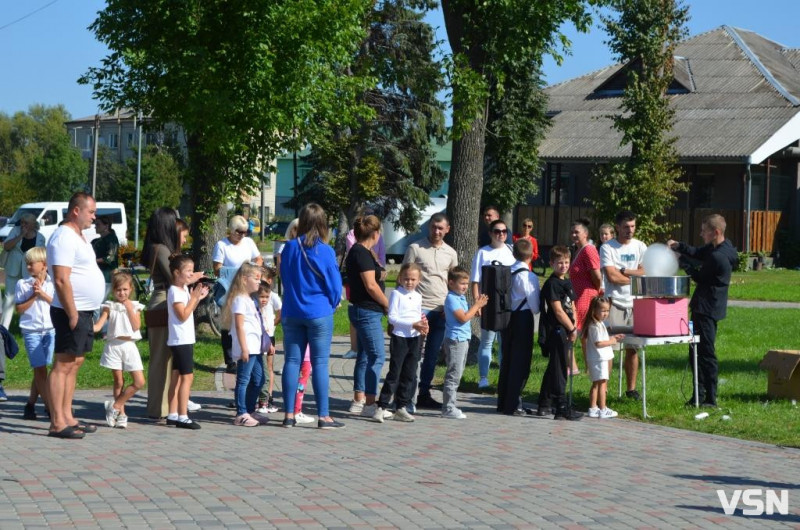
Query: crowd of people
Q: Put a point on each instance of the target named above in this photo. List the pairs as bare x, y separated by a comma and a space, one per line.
61, 294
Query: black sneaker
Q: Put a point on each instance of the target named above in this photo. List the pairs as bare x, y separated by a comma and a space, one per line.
690, 403
30, 412
193, 425
333, 424
709, 405
289, 422
633, 394
543, 411
568, 414
425, 401
231, 368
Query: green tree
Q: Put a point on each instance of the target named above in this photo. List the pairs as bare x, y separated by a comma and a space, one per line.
243, 79
643, 34
498, 47
37, 158
385, 159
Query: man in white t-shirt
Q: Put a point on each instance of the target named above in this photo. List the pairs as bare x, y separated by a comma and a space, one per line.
620, 259
497, 250
79, 290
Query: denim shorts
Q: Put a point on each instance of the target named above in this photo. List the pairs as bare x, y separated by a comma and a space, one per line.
40, 346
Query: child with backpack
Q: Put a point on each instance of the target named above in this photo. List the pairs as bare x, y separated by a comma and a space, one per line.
517, 343
557, 296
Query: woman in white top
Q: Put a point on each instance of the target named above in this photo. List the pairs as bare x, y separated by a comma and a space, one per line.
228, 255
22, 238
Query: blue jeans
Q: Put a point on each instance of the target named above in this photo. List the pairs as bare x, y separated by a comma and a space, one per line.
371, 349
250, 378
433, 343
298, 333
485, 351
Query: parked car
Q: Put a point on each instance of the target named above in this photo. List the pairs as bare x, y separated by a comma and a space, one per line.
3, 221
51, 214
277, 228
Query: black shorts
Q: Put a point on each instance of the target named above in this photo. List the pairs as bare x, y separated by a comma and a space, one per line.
78, 341
183, 358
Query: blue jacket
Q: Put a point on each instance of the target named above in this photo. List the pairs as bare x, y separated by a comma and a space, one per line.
305, 294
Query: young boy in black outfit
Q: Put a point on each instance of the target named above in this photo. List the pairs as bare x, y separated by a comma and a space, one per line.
561, 332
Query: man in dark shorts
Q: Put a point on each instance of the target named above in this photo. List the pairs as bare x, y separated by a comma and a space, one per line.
79, 290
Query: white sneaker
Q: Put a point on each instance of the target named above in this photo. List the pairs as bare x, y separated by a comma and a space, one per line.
122, 422
263, 410
356, 407
193, 407
454, 414
111, 413
402, 414
350, 355
378, 414
594, 412
303, 418
483, 383
607, 413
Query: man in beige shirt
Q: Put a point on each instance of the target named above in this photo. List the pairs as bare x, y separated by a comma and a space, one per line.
435, 258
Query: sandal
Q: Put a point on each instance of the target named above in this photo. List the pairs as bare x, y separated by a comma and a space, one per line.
70, 433
85, 427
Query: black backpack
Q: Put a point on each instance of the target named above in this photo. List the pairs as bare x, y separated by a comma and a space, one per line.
496, 284
541, 338
9, 345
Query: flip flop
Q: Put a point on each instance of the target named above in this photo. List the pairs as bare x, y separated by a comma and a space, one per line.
85, 427
68, 433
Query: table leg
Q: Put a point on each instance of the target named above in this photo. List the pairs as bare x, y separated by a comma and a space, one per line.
644, 383
696, 377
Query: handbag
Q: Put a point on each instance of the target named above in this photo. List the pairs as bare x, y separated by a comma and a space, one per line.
155, 318
265, 340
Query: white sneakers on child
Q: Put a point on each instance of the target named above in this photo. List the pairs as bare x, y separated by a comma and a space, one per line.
122, 422
356, 407
454, 414
303, 418
602, 413
193, 407
112, 414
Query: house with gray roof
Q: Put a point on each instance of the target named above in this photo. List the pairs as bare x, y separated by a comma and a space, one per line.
736, 96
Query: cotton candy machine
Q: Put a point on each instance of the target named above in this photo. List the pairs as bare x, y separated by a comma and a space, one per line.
660, 304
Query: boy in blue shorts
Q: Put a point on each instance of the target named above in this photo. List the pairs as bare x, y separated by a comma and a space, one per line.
457, 333
33, 297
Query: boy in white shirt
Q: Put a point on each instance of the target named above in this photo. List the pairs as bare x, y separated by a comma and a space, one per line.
32, 298
517, 343
408, 324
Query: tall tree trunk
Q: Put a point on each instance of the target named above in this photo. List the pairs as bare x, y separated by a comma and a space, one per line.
204, 234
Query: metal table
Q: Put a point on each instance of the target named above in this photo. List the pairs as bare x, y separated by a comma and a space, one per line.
641, 344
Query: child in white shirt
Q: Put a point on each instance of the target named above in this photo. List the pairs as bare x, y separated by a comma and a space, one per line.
408, 323
120, 353
271, 306
33, 297
598, 355
181, 303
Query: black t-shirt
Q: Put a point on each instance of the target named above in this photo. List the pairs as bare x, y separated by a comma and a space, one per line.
555, 289
27, 244
359, 260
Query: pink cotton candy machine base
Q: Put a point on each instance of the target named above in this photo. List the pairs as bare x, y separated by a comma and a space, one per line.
660, 317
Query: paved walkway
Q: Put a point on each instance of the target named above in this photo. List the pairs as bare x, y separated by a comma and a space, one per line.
487, 471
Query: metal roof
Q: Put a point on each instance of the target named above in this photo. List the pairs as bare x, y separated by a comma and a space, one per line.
745, 88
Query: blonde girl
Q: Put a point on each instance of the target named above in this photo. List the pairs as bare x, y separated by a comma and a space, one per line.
120, 353
250, 341
599, 355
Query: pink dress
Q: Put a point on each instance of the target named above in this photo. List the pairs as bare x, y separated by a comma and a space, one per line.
580, 274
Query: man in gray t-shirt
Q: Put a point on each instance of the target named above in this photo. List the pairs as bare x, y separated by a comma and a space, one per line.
435, 258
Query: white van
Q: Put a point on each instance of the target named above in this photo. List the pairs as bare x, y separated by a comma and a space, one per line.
51, 214
397, 241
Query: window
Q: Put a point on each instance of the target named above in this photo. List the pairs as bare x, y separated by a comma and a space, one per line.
89, 141
151, 139
49, 218
266, 179
131, 141
113, 141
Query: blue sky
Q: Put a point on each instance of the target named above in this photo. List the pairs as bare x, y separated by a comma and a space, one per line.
42, 56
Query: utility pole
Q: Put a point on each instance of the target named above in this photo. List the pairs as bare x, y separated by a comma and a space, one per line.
94, 152
138, 177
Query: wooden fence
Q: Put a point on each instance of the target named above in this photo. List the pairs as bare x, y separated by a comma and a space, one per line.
552, 224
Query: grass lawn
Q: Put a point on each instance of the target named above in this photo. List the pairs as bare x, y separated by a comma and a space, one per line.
744, 337
776, 285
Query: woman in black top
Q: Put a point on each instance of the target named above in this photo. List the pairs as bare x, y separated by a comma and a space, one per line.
368, 304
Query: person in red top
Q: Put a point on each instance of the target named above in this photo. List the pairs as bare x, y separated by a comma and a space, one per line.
525, 229
584, 273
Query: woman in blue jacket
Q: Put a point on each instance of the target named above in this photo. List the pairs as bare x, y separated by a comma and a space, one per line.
312, 290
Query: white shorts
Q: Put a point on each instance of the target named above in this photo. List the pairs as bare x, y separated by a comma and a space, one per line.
121, 355
598, 370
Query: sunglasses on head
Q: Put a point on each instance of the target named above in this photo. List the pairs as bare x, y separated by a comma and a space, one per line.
499, 231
